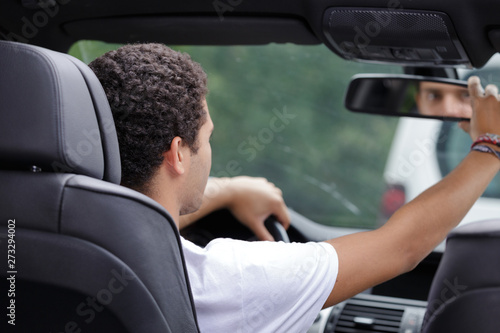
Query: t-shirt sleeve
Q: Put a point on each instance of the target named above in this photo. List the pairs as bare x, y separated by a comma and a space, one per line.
261, 286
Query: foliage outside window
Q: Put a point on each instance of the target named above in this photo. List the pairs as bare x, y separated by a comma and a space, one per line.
278, 113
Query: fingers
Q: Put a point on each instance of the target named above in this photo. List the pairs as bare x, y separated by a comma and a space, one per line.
261, 232
280, 210
282, 215
475, 88
252, 200
491, 90
486, 109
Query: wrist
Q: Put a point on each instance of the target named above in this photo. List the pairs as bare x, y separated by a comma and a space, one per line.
488, 148
487, 138
231, 193
219, 191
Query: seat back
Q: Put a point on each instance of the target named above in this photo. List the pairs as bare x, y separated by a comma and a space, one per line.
465, 292
89, 255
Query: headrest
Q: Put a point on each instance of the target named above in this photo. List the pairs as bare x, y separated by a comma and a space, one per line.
54, 115
487, 228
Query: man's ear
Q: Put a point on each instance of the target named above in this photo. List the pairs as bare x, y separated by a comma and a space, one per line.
175, 157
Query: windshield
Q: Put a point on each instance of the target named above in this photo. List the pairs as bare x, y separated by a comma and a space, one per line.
452, 147
278, 113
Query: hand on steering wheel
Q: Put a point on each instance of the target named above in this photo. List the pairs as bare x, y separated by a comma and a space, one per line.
254, 199
276, 230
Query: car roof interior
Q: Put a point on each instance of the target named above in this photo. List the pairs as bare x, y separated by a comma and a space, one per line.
469, 32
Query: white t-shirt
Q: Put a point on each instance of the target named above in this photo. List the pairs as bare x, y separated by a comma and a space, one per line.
241, 287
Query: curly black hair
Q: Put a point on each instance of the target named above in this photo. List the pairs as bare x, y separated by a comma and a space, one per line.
155, 94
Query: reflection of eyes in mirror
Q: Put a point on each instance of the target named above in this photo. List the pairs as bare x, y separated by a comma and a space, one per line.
410, 96
439, 99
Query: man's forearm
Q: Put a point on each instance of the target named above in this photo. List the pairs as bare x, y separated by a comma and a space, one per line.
214, 198
369, 258
430, 217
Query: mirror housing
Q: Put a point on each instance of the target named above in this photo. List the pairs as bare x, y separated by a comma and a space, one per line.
409, 96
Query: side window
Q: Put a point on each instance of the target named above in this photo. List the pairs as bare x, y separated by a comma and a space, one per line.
452, 147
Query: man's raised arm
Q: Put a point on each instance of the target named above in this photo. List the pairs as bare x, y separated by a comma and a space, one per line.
369, 258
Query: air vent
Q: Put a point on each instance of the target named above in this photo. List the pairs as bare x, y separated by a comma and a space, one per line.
362, 318
367, 313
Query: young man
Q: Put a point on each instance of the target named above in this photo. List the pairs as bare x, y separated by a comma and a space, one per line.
158, 100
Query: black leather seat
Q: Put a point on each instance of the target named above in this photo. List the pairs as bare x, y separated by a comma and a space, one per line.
465, 293
90, 255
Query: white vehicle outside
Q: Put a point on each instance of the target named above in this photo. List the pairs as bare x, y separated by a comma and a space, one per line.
422, 152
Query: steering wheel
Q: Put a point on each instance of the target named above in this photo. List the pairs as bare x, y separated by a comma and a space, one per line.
276, 230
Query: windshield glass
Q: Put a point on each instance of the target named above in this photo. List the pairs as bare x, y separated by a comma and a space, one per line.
451, 150
278, 113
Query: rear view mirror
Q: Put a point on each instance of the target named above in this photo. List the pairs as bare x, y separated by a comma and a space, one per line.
409, 96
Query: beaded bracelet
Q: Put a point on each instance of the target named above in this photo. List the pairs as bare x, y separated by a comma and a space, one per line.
486, 149
488, 138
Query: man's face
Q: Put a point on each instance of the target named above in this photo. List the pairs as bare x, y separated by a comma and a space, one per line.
198, 167
443, 100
